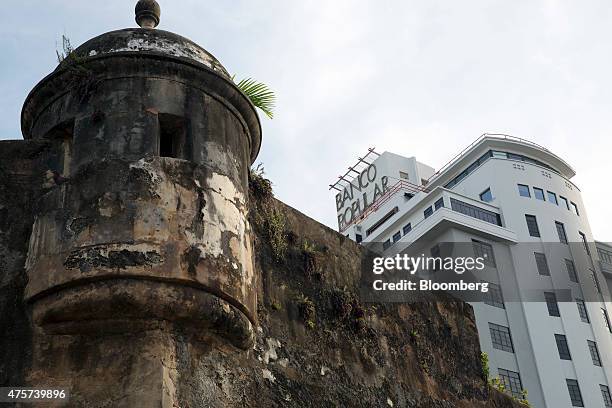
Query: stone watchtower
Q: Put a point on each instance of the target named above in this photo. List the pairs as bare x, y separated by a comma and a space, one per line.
142, 228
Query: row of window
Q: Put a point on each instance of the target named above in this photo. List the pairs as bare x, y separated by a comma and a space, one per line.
485, 250
538, 193
576, 396
553, 310
543, 269
456, 205
495, 298
512, 382
502, 340
498, 155
408, 227
534, 231
475, 212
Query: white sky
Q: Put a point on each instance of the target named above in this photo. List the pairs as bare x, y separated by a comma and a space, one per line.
415, 78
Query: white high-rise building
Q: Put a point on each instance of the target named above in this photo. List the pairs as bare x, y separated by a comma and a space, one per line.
546, 322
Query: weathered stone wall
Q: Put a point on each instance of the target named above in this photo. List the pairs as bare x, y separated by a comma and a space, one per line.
316, 343
157, 225
18, 161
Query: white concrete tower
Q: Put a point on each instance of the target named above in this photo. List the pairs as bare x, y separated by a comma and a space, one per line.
545, 324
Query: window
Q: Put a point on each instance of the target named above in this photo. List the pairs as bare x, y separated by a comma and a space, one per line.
552, 197
475, 212
564, 353
407, 228
358, 238
524, 190
532, 225
605, 393
470, 169
484, 250
582, 311
594, 353
428, 212
539, 193
384, 219
511, 381
574, 392
551, 304
503, 155
486, 196
403, 175
604, 314
584, 242
542, 264
604, 256
386, 244
565, 202
397, 236
500, 337
575, 207
571, 270
439, 203
171, 136
561, 232
63, 133
494, 296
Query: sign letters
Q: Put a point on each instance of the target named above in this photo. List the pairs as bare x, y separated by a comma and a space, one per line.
359, 194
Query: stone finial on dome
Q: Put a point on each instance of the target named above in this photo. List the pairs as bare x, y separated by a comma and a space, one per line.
147, 13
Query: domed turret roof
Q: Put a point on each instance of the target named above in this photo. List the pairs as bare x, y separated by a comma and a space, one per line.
147, 41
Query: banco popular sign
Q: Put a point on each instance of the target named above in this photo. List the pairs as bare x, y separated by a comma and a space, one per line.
359, 194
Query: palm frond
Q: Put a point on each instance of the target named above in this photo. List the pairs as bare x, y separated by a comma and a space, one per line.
260, 95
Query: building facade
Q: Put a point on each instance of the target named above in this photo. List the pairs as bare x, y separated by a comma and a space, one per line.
545, 321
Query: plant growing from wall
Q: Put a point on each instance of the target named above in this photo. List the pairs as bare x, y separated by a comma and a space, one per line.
66, 51
523, 398
309, 257
83, 79
275, 305
260, 186
499, 385
484, 361
275, 231
307, 310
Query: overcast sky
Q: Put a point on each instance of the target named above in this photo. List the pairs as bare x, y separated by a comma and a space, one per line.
419, 79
